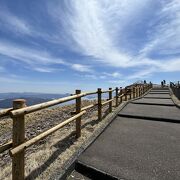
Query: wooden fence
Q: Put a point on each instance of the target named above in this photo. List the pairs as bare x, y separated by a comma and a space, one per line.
175, 86
18, 144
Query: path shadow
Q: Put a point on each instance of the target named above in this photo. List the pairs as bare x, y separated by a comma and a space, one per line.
92, 123
61, 146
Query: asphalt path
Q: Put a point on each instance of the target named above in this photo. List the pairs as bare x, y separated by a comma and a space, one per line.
142, 142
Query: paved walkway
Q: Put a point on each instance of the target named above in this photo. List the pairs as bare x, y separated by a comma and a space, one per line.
142, 143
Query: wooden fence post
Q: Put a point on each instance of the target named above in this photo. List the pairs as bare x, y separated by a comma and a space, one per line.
18, 138
130, 93
136, 91
125, 93
120, 93
133, 92
99, 104
116, 96
110, 97
141, 90
78, 110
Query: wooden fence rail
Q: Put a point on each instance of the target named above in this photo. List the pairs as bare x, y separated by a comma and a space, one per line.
18, 144
175, 86
5, 112
44, 134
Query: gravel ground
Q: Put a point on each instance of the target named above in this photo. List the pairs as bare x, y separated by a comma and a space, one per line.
44, 159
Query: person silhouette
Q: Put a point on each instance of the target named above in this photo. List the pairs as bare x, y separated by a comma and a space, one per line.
162, 84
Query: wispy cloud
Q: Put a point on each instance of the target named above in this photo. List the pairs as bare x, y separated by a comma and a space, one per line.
86, 27
111, 41
143, 73
38, 60
27, 54
12, 22
170, 66
81, 68
90, 76
45, 69
90, 24
11, 78
164, 39
97, 29
164, 36
116, 82
113, 74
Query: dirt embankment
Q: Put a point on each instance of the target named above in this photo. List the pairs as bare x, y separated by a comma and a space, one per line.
44, 159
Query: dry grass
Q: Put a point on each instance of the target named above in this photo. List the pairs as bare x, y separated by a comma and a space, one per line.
45, 159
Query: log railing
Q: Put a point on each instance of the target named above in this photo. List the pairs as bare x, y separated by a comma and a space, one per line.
175, 86
5, 112
18, 144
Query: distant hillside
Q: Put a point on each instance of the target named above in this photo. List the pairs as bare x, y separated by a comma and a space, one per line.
7, 103
31, 98
32, 95
36, 98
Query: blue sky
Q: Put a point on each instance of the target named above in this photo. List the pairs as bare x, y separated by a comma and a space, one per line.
62, 45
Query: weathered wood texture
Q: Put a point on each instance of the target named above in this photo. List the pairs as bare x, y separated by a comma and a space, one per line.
110, 98
6, 146
37, 107
5, 112
18, 138
78, 110
99, 93
117, 96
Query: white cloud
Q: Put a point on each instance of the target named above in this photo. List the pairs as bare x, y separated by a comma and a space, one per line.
97, 29
81, 68
162, 50
116, 82
95, 26
86, 27
113, 75
91, 76
45, 69
102, 77
28, 55
170, 66
37, 60
164, 40
19, 25
143, 73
